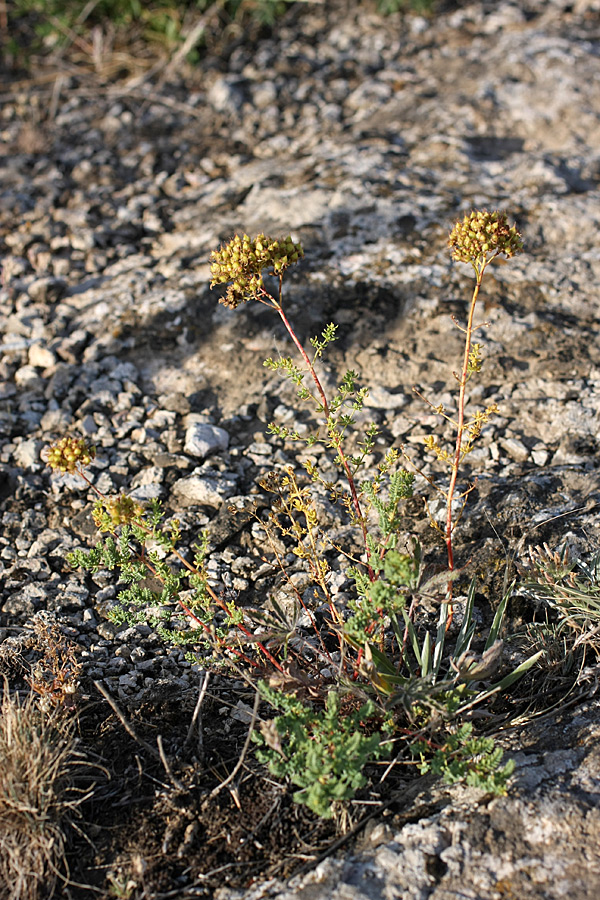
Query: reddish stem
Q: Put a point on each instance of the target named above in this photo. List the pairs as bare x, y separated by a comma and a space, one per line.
460, 426
209, 590
337, 443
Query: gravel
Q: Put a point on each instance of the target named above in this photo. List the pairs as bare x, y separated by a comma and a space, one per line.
366, 140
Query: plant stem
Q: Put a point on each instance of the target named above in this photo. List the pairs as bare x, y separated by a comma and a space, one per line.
335, 440
464, 377
141, 557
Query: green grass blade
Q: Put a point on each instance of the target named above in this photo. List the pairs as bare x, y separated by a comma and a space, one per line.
413, 637
382, 662
467, 629
516, 673
505, 683
498, 619
440, 638
426, 656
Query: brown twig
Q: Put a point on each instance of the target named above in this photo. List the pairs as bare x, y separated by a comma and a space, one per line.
197, 717
240, 761
124, 722
167, 766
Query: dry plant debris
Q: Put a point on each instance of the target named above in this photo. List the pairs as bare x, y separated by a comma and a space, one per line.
39, 800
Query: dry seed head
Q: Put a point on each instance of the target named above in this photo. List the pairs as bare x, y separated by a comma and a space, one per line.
482, 235
70, 454
240, 264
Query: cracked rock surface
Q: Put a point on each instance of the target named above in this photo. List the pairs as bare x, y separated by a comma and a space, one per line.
540, 841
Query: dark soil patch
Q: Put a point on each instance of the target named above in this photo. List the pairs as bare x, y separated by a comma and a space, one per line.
166, 831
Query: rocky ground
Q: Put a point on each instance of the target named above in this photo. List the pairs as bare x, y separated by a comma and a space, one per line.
366, 138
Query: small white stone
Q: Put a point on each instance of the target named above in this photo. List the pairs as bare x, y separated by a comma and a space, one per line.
540, 456
27, 378
27, 454
380, 398
515, 448
56, 420
202, 440
146, 492
41, 357
203, 489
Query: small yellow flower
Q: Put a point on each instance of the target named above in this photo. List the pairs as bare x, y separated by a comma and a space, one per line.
121, 510
433, 447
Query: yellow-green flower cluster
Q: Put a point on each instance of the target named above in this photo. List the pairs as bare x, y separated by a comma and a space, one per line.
70, 454
121, 510
482, 235
242, 261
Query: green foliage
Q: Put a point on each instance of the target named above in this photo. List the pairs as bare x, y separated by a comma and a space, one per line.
137, 551
329, 335
393, 668
387, 7
379, 602
164, 25
389, 511
568, 590
57, 21
285, 364
321, 752
463, 757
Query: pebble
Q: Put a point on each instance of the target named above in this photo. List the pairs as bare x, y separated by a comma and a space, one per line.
515, 448
41, 357
27, 454
202, 440
47, 289
380, 398
204, 489
361, 141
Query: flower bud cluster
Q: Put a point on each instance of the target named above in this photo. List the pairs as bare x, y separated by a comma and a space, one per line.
483, 234
70, 454
121, 510
242, 261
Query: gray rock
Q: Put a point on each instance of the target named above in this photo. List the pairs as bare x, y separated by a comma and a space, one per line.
7, 389
28, 378
47, 289
23, 603
27, 454
146, 492
380, 398
204, 489
107, 630
41, 356
515, 448
226, 94
202, 440
56, 420
176, 402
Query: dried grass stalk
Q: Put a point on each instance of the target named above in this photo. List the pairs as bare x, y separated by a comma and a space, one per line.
37, 797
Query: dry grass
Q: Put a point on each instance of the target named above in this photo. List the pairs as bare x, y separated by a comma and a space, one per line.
38, 799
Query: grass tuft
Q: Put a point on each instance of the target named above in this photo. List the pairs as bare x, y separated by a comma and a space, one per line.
38, 800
